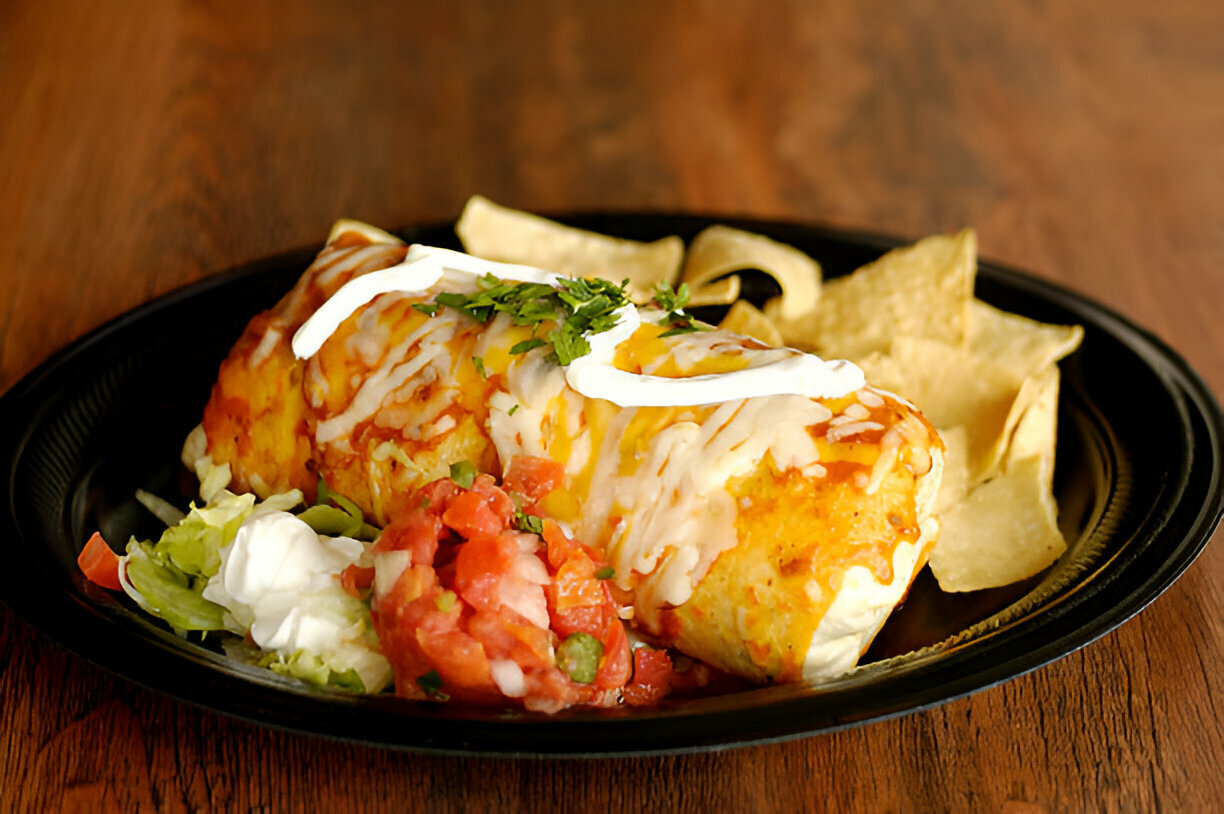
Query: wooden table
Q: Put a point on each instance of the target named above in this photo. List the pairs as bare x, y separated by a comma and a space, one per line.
144, 146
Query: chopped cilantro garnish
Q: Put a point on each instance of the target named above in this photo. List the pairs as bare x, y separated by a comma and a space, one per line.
568, 345
676, 332
669, 299
672, 302
607, 572
683, 329
528, 522
452, 300
513, 410
463, 473
527, 344
577, 308
431, 683
480, 368
429, 308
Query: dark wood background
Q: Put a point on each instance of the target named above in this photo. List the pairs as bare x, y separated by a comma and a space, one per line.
145, 145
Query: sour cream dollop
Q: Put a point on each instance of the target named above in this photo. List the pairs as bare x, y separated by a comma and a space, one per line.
278, 580
593, 375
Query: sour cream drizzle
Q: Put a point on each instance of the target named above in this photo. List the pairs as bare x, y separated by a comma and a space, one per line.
593, 375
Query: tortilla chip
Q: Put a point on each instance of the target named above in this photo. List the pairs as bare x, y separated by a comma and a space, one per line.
923, 290
1027, 344
1006, 530
955, 483
745, 318
1036, 432
720, 250
510, 236
717, 292
953, 387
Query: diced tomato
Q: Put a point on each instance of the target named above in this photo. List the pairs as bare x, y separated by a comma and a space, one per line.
356, 580
506, 637
99, 563
414, 582
578, 601
469, 514
586, 619
479, 567
559, 546
500, 503
551, 691
459, 659
417, 531
575, 585
435, 495
617, 661
533, 477
590, 619
652, 677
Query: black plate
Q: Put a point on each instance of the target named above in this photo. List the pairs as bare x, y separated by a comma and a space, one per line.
1138, 485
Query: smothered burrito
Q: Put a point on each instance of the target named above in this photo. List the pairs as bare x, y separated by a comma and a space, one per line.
759, 509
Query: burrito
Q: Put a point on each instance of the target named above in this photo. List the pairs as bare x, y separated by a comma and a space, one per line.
760, 509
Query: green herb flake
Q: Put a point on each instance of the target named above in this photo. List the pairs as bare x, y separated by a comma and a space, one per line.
451, 299
480, 368
528, 522
427, 308
672, 303
683, 329
568, 345
513, 410
463, 473
607, 572
669, 299
527, 344
431, 683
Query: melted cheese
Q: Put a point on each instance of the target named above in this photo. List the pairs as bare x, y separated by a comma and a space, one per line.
697, 411
428, 344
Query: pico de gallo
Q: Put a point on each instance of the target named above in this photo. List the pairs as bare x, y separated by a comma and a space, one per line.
472, 595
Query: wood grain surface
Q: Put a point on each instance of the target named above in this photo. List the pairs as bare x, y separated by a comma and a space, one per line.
145, 145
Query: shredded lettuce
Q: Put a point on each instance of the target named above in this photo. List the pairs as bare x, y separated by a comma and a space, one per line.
167, 592
178, 577
166, 511
355, 669
194, 545
311, 668
344, 519
331, 521
314, 669
166, 578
